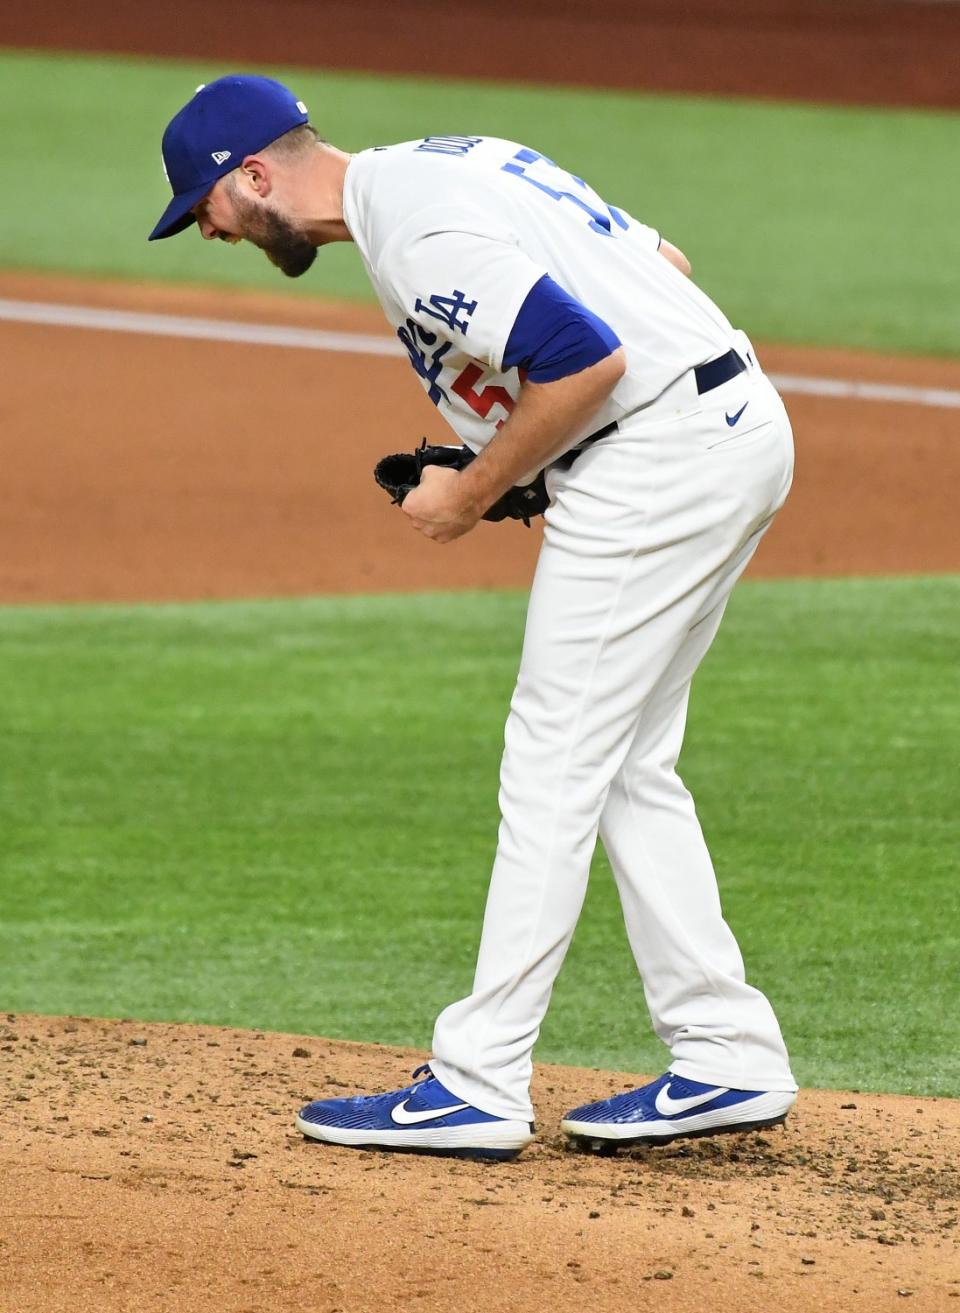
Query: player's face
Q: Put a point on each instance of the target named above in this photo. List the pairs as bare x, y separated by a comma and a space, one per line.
228, 214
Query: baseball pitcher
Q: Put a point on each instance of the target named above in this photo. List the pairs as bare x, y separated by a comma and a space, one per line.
591, 380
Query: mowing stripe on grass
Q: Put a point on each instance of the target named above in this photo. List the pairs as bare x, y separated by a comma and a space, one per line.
367, 344
256, 814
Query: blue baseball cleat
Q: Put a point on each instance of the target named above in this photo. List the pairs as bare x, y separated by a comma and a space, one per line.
424, 1117
672, 1107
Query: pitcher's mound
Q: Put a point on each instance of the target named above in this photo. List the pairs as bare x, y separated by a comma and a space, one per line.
156, 1167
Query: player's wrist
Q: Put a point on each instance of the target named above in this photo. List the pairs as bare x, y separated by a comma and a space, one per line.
478, 487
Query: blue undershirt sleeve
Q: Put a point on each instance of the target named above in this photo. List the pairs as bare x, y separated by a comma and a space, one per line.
555, 335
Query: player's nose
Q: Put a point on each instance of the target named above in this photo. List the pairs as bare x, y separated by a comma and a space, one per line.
207, 230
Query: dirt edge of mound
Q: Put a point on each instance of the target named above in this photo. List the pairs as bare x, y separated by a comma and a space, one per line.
154, 1162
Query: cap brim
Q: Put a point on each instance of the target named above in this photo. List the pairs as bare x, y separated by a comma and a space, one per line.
176, 217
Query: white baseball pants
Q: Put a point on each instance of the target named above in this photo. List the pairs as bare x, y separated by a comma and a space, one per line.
646, 536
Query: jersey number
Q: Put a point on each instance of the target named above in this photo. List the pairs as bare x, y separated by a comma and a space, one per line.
483, 401
601, 220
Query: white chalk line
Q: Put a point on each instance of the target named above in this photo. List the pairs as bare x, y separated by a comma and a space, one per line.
368, 344
207, 330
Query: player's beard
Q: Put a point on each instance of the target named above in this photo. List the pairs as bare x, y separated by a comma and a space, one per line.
276, 236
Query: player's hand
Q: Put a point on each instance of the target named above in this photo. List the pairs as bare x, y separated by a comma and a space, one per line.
438, 508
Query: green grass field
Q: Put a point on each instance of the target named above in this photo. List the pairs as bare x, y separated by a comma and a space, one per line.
807, 224
282, 814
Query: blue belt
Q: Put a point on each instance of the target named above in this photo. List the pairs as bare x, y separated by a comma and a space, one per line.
721, 370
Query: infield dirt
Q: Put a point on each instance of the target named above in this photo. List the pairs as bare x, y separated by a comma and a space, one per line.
145, 468
899, 52
156, 1167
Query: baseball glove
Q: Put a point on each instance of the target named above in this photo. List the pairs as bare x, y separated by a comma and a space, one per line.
400, 474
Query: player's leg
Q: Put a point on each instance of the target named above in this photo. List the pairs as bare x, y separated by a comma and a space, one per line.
729, 1066
719, 1029
638, 541
571, 721
572, 713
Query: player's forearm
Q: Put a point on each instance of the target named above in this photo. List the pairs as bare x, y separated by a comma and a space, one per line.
544, 422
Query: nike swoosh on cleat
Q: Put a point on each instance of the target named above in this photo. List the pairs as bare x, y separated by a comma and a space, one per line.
732, 419
668, 1107
400, 1115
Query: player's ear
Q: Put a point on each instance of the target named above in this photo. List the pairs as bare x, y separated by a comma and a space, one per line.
258, 175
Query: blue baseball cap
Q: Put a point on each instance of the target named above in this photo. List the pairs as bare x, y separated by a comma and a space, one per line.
225, 121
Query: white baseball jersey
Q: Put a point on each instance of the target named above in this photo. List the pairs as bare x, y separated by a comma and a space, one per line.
454, 233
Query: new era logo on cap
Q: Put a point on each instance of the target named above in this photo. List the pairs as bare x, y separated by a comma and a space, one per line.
225, 120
